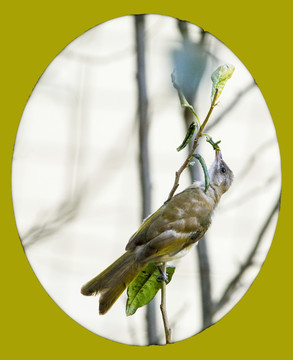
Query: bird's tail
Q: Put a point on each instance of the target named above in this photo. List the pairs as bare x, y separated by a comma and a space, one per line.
111, 283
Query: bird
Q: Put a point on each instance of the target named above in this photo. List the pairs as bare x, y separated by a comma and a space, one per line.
167, 234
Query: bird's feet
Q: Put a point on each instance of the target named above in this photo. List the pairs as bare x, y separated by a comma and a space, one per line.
163, 276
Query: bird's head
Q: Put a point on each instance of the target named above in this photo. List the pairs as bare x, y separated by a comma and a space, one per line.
220, 174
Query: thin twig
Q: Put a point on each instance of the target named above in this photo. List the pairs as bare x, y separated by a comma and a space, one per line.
253, 158
230, 107
194, 146
163, 308
249, 261
53, 221
249, 194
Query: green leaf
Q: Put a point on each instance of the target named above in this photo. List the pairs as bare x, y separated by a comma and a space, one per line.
188, 136
145, 286
219, 78
184, 103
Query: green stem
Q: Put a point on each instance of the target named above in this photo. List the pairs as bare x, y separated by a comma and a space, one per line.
215, 145
195, 144
183, 101
205, 171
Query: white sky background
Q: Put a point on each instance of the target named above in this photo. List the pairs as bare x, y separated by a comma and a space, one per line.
78, 140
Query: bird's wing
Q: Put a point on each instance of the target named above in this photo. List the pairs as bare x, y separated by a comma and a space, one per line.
140, 236
167, 246
179, 214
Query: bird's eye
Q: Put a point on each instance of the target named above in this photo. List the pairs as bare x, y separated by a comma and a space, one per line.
223, 169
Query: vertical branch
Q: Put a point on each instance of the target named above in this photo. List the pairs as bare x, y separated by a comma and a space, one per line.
205, 283
201, 248
143, 115
163, 308
143, 148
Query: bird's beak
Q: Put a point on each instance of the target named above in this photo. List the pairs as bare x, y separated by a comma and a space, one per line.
218, 157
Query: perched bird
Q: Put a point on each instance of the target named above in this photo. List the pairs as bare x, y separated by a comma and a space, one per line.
165, 235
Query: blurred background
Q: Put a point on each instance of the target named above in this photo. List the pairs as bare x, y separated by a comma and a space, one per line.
95, 153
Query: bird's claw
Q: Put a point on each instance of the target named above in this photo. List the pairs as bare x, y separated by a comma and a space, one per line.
163, 276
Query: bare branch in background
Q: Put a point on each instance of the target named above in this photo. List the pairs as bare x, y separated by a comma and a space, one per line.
235, 281
190, 64
231, 106
144, 169
67, 209
143, 116
64, 213
251, 193
252, 159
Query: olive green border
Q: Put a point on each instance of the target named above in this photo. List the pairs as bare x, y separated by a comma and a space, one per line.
32, 34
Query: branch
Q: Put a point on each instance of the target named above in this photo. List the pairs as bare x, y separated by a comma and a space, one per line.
195, 144
66, 211
251, 193
144, 168
164, 309
231, 106
142, 115
252, 159
235, 281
